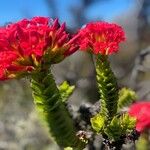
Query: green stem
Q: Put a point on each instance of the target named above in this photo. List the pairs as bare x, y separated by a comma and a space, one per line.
107, 86
47, 98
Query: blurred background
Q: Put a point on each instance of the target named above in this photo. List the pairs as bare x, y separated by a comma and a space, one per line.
20, 128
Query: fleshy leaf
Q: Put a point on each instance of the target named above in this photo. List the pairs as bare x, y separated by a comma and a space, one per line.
120, 126
97, 122
127, 123
65, 90
126, 97
114, 131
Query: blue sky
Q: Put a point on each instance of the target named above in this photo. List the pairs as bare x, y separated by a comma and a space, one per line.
13, 10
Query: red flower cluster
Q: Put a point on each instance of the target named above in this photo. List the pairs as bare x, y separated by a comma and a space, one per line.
141, 111
27, 44
101, 37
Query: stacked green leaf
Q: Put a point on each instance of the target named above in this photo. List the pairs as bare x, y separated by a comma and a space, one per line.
126, 97
49, 102
109, 121
107, 86
120, 126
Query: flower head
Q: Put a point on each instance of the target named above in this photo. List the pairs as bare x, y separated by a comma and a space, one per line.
28, 44
141, 112
101, 37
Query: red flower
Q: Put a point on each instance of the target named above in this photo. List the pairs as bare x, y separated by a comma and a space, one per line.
101, 37
28, 44
141, 111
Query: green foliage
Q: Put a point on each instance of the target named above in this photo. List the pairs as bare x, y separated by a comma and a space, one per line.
109, 122
50, 104
65, 90
117, 127
107, 86
126, 97
127, 123
113, 130
97, 122
120, 126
